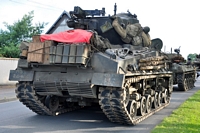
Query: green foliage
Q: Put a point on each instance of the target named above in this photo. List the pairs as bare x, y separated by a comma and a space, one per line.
192, 56
10, 51
22, 30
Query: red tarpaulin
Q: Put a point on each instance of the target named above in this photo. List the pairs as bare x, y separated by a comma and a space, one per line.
70, 36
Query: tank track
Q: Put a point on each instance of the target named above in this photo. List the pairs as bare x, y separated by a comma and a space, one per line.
113, 103
27, 95
185, 81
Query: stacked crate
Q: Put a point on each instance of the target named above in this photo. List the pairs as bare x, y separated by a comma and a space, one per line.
69, 53
51, 52
75, 53
39, 51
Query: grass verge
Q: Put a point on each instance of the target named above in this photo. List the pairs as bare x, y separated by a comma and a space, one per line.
185, 119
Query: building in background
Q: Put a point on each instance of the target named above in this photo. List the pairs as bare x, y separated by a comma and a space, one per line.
60, 24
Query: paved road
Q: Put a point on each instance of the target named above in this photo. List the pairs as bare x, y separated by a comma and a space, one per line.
16, 118
7, 93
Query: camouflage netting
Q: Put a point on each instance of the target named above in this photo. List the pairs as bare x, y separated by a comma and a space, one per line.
132, 33
99, 43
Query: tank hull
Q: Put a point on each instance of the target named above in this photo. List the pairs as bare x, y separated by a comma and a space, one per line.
184, 76
105, 81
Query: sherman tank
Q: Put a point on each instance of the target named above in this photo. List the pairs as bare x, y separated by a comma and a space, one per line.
105, 60
184, 73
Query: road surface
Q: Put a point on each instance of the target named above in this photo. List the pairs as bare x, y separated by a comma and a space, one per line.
16, 118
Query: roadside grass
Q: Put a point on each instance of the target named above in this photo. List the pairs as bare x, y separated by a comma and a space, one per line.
185, 119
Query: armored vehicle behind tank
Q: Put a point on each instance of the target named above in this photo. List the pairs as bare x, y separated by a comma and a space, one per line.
196, 62
105, 60
184, 73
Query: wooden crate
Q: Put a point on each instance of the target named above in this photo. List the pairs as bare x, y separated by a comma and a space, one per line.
36, 38
35, 52
66, 50
72, 54
82, 53
24, 53
52, 54
47, 45
59, 53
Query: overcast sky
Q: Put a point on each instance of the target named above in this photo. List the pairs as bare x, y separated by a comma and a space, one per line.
176, 22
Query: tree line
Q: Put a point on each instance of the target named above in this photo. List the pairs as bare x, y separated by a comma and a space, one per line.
193, 56
13, 35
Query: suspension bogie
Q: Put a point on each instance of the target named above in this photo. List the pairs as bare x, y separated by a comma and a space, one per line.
137, 99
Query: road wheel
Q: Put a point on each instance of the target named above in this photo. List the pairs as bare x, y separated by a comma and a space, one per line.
142, 109
155, 101
52, 102
166, 97
132, 107
159, 98
148, 103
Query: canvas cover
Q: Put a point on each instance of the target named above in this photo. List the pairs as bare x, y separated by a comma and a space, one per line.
70, 36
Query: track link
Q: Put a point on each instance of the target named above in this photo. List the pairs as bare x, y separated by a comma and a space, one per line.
186, 81
113, 102
27, 95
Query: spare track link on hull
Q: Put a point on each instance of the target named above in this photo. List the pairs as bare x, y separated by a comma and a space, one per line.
186, 81
27, 95
113, 104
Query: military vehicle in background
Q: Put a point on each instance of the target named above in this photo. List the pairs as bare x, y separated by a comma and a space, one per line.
105, 60
184, 73
196, 62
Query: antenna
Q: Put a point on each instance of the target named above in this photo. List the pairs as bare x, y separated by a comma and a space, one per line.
115, 9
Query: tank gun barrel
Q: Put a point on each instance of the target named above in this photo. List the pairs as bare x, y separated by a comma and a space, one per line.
115, 9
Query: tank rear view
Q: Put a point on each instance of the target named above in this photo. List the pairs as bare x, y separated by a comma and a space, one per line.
105, 60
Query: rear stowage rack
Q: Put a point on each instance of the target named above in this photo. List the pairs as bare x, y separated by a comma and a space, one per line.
50, 52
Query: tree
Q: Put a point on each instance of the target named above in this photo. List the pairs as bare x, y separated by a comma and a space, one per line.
192, 56
22, 30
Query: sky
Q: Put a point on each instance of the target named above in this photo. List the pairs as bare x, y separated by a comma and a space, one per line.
175, 22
